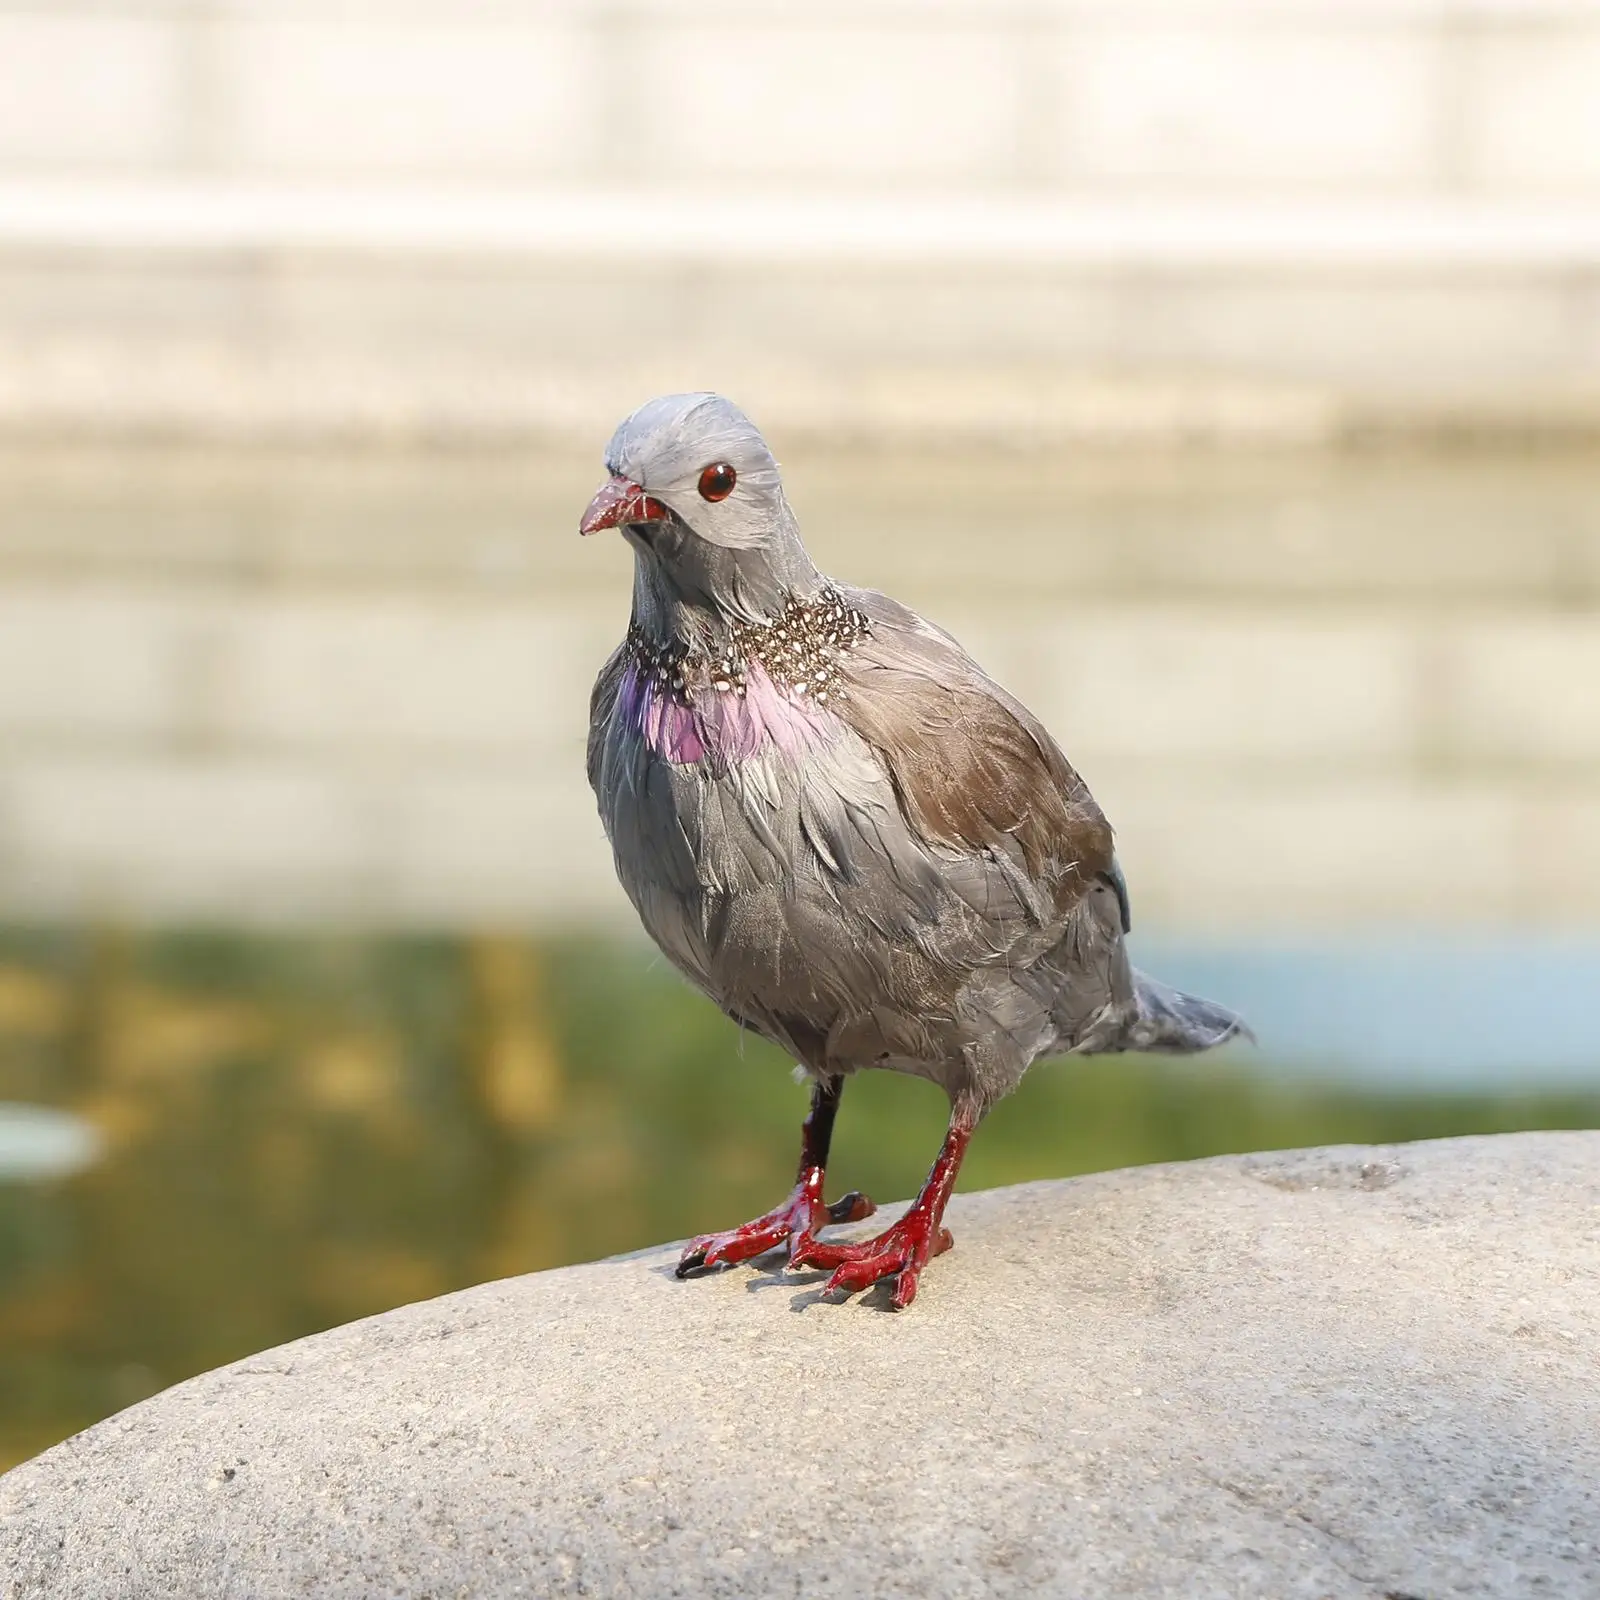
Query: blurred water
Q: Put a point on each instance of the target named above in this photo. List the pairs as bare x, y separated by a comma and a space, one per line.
298, 1129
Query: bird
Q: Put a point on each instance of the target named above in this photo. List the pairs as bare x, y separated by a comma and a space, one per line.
842, 831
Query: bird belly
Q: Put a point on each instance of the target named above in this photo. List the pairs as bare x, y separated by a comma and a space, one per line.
792, 893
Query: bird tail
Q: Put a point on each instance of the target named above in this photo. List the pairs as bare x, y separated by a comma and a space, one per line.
1165, 1020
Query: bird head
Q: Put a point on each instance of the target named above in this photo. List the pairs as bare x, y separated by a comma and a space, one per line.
697, 493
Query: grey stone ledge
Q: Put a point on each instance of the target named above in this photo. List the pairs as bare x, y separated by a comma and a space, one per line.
1321, 1373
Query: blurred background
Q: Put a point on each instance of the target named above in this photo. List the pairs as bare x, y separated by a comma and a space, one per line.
1226, 374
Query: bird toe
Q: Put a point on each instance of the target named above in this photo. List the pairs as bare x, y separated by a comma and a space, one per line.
853, 1207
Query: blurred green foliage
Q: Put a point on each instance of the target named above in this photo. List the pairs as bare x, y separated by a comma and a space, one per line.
302, 1130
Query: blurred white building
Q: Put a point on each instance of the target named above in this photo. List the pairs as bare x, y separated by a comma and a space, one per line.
1253, 218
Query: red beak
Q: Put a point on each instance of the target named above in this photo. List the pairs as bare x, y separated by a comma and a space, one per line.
619, 501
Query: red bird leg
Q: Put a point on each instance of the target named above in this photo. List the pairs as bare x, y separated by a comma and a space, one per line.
905, 1247
798, 1218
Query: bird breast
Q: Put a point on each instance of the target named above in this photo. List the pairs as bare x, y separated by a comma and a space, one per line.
722, 726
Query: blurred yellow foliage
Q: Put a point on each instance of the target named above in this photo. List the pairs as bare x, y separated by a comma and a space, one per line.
517, 1067
31, 1003
151, 1033
354, 1073
350, 1278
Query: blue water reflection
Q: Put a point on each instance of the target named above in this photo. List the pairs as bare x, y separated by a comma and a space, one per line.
1437, 1012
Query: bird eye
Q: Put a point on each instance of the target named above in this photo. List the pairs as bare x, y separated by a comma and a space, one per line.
717, 481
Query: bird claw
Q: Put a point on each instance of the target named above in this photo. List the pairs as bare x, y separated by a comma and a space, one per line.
901, 1250
796, 1220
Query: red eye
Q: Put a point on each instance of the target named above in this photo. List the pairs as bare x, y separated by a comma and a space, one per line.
717, 481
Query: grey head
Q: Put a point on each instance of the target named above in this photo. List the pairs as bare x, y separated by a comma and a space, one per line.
698, 495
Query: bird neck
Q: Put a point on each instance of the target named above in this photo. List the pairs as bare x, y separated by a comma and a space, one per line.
798, 650
697, 605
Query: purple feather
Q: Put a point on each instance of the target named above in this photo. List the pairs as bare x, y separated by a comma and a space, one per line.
727, 727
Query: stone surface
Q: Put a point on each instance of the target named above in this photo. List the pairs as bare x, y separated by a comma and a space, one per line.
1330, 1373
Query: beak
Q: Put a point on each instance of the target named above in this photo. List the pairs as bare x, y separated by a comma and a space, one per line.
620, 501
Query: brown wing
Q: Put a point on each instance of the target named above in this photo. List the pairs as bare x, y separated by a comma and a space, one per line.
972, 767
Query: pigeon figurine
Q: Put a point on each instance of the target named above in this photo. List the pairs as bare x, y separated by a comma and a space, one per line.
837, 827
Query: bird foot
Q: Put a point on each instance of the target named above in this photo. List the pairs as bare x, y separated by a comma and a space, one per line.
796, 1220
903, 1250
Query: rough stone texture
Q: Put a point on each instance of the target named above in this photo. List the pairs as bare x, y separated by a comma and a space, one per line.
1329, 1373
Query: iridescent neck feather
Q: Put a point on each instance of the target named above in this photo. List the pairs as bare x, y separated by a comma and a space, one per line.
762, 683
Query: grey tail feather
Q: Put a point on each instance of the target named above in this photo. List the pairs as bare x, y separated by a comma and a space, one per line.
1171, 1022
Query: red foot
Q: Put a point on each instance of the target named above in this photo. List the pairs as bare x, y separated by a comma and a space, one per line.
796, 1220
902, 1249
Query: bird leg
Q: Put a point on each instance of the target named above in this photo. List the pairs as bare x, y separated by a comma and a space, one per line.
798, 1218
905, 1247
